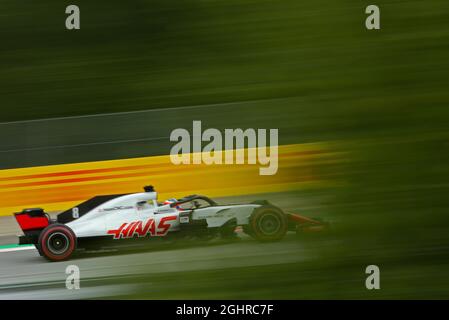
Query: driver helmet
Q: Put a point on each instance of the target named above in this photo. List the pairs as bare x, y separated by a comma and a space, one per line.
170, 201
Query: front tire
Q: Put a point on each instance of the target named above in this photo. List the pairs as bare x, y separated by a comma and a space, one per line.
267, 224
57, 242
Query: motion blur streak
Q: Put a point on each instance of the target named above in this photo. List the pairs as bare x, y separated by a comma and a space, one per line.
383, 94
58, 187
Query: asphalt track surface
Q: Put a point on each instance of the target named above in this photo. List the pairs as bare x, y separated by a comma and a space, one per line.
26, 275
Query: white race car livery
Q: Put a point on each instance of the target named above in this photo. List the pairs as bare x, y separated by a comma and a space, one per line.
115, 220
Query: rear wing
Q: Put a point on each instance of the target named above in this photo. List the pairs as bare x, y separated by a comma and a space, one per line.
32, 219
32, 222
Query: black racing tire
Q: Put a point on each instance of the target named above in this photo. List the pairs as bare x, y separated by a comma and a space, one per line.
57, 242
267, 223
39, 250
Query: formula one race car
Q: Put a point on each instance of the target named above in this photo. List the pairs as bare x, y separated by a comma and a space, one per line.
111, 220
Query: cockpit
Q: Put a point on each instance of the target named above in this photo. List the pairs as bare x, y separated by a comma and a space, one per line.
191, 202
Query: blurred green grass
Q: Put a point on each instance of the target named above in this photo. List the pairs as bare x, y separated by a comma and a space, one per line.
149, 54
286, 281
382, 94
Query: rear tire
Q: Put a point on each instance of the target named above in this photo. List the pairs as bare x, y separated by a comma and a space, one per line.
38, 247
267, 223
57, 242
